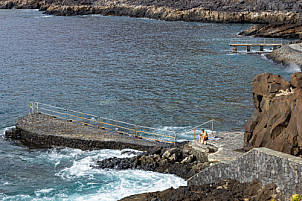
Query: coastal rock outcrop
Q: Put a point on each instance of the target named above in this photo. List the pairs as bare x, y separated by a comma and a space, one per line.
290, 55
277, 119
280, 30
223, 190
181, 161
226, 11
186, 10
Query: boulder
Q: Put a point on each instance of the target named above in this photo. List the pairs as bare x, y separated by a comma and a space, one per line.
296, 80
277, 120
168, 153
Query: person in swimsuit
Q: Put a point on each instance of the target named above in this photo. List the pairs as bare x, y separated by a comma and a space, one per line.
203, 136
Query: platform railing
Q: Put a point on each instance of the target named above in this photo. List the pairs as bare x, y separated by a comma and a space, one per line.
118, 127
201, 126
257, 41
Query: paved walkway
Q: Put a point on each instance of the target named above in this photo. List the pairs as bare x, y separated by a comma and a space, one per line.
49, 126
226, 145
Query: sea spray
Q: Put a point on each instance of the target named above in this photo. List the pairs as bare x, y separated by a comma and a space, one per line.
69, 174
293, 68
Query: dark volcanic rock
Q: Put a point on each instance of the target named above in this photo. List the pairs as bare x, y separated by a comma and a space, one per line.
180, 161
223, 190
283, 30
226, 11
276, 122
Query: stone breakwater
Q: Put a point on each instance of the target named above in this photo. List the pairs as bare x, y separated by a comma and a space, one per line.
288, 55
46, 131
266, 165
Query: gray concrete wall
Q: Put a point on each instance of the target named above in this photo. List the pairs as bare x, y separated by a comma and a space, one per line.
266, 165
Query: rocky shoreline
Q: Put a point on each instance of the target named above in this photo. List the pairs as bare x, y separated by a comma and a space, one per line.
223, 190
284, 14
182, 161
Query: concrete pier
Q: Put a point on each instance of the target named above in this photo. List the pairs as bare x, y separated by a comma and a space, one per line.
255, 42
47, 131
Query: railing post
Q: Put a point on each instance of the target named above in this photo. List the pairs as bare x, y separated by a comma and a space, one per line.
30, 105
194, 133
82, 119
116, 127
212, 126
66, 115
100, 125
154, 135
235, 49
174, 138
135, 131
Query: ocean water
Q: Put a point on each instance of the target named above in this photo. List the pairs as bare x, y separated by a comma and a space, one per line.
168, 75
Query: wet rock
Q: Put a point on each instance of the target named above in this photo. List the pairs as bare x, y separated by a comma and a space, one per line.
13, 133
129, 152
188, 159
223, 190
180, 161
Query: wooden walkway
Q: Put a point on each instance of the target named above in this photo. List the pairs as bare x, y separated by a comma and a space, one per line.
275, 43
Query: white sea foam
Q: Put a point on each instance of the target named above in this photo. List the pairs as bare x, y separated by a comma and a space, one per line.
43, 192
129, 182
2, 132
122, 183
185, 133
83, 161
293, 68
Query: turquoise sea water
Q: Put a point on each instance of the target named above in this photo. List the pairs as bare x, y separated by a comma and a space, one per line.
168, 75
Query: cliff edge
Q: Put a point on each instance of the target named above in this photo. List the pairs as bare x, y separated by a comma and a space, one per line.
277, 120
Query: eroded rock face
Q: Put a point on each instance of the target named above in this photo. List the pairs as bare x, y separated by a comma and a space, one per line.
277, 121
284, 29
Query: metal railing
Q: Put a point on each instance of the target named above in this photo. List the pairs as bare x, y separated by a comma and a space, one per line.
118, 127
199, 127
257, 41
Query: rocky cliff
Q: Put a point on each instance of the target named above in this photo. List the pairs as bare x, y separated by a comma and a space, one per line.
277, 120
226, 11
283, 30
260, 11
